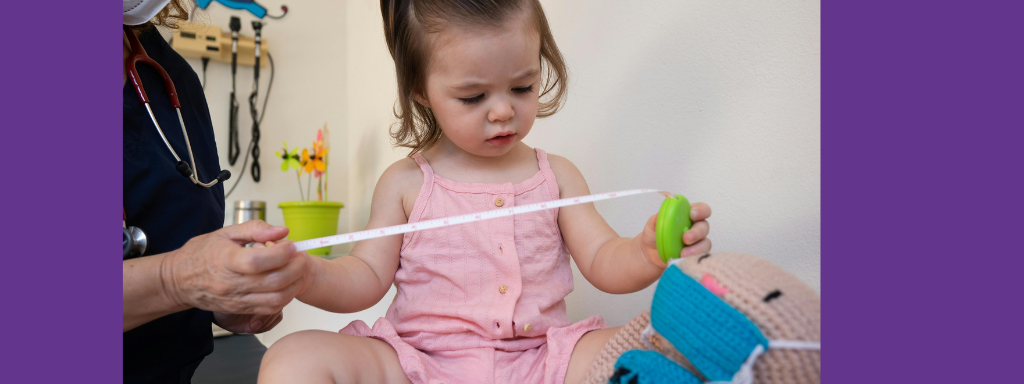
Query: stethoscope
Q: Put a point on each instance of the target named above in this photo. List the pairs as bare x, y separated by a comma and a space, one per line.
134, 240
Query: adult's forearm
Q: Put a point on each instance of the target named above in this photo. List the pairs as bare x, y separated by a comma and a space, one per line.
146, 294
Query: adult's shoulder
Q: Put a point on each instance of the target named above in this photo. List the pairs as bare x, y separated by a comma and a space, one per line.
172, 62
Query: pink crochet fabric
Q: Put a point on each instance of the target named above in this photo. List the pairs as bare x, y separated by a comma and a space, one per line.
482, 302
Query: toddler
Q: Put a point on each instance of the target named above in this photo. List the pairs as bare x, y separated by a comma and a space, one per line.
480, 302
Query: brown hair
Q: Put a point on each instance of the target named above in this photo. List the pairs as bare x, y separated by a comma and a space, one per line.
406, 22
173, 12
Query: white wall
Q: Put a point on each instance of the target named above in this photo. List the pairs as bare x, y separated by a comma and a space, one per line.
715, 100
719, 101
308, 91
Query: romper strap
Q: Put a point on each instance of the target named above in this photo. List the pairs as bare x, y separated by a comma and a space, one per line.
428, 173
424, 195
549, 175
542, 159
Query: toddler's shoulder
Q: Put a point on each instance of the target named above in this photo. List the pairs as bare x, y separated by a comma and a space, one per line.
401, 183
570, 179
401, 176
560, 164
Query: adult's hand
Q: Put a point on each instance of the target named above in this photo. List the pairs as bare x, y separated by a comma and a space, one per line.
247, 323
216, 272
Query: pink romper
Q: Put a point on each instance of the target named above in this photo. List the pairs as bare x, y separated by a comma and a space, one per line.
482, 302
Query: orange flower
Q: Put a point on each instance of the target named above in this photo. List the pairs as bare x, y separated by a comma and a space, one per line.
315, 159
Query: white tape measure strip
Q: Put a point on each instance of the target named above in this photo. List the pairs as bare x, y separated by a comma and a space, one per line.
306, 245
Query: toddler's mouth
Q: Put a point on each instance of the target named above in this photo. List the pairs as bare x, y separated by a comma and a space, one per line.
501, 139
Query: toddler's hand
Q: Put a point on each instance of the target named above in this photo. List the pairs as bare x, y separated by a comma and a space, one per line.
696, 239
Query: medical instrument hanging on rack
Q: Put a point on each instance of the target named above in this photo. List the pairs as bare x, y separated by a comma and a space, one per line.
138, 55
249, 5
199, 41
262, 113
194, 40
258, 29
233, 147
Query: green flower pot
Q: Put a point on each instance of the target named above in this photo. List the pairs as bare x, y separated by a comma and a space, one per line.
311, 219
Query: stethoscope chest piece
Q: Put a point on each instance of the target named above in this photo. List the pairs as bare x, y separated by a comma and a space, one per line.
133, 242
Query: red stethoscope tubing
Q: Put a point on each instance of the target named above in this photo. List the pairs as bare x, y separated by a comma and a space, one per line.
138, 55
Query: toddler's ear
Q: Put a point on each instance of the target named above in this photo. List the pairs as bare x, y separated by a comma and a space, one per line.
421, 100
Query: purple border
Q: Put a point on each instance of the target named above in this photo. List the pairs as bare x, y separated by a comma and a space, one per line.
921, 191
922, 187
60, 280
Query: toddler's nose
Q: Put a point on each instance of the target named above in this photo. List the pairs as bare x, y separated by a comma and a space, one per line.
500, 111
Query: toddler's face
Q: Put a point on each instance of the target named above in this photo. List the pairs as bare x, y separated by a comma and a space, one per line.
482, 85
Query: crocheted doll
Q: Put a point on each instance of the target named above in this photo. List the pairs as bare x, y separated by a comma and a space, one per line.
724, 317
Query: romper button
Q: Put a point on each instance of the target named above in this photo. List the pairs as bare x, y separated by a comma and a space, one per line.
528, 327
499, 202
502, 289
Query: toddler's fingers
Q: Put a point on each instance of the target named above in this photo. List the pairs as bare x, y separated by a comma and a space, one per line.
702, 247
700, 211
696, 233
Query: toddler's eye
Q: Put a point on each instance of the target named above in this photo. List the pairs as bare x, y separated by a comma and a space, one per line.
472, 100
523, 89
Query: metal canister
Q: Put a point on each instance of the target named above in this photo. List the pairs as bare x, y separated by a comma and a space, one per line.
246, 210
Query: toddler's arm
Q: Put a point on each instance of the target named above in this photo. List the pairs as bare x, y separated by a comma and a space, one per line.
614, 264
358, 281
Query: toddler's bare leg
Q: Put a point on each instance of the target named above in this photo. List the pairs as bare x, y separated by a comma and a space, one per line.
585, 352
330, 357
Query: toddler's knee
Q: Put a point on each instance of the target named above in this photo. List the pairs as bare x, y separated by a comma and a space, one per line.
297, 351
292, 344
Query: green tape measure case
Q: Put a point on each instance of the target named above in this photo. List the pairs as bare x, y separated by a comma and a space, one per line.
673, 220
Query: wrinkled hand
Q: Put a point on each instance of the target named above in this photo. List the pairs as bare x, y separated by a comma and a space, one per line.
217, 273
250, 323
696, 239
247, 323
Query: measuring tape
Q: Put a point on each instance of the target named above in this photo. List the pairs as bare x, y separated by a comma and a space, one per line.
673, 220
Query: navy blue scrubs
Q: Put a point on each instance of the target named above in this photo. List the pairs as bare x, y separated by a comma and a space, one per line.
168, 207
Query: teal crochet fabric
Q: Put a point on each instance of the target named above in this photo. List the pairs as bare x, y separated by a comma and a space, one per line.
649, 367
714, 336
